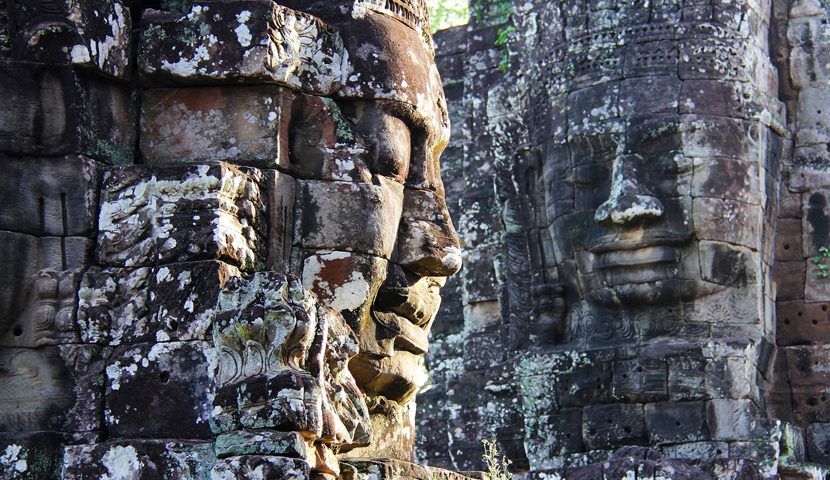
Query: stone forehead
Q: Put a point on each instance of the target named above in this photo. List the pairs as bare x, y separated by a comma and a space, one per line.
413, 13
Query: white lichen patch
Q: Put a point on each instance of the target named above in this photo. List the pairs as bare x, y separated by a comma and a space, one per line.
243, 33
121, 463
188, 66
13, 460
352, 293
115, 372
80, 54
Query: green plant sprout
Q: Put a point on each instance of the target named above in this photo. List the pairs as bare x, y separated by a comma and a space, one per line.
497, 463
823, 268
502, 41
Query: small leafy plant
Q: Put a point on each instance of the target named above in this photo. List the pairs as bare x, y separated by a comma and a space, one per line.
502, 41
823, 268
497, 463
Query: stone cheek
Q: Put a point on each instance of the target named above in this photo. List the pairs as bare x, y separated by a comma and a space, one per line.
358, 217
347, 282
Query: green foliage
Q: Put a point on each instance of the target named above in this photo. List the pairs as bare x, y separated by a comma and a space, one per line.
447, 13
502, 41
492, 11
496, 462
823, 268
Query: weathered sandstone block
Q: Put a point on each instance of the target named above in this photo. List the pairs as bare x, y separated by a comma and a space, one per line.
80, 114
244, 126
244, 42
152, 215
123, 306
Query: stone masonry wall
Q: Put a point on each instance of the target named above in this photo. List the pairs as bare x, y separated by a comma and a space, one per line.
500, 375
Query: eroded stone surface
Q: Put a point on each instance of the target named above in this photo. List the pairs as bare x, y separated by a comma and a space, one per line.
139, 459
161, 304
283, 366
153, 215
252, 41
82, 114
93, 35
222, 123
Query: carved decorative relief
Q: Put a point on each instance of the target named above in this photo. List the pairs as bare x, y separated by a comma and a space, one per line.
145, 209
95, 35
413, 13
260, 41
283, 363
49, 317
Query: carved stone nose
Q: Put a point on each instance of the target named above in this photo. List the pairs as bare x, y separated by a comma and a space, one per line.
630, 200
626, 208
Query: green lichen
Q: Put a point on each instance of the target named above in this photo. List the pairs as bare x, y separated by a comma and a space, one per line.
342, 127
666, 128
117, 155
190, 34
181, 6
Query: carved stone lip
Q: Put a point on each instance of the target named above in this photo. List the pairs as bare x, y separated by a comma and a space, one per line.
638, 257
614, 244
408, 336
421, 302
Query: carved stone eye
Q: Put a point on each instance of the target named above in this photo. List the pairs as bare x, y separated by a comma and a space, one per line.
393, 148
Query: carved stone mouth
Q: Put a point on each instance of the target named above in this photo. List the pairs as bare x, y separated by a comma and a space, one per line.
638, 266
657, 239
409, 337
638, 257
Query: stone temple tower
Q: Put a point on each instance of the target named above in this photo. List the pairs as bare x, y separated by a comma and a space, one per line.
641, 188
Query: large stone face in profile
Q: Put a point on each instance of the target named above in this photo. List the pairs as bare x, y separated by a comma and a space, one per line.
159, 310
660, 179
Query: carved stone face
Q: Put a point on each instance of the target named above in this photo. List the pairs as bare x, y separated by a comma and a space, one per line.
663, 204
376, 236
631, 228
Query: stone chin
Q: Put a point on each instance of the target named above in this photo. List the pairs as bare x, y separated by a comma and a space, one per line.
395, 377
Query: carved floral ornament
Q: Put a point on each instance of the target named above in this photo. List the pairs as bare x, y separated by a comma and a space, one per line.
293, 36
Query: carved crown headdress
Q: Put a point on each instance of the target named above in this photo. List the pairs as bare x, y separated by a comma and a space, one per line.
413, 13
